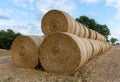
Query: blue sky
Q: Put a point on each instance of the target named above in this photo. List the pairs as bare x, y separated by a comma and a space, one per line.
25, 16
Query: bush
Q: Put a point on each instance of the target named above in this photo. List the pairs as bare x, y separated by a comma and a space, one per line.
7, 37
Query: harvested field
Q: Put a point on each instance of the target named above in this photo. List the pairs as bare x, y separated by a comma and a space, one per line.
4, 52
10, 73
101, 68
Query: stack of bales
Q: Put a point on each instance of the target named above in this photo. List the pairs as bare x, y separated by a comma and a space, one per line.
65, 53
66, 47
59, 21
68, 44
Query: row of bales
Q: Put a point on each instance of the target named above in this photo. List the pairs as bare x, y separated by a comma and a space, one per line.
64, 48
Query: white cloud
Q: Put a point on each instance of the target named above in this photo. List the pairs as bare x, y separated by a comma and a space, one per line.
114, 27
43, 6
89, 1
92, 15
20, 3
46, 5
117, 16
29, 28
28, 4
4, 17
115, 4
17, 25
24, 29
6, 11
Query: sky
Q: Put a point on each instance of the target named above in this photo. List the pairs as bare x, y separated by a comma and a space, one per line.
25, 16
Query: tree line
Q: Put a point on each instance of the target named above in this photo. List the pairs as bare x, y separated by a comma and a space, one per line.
92, 24
100, 28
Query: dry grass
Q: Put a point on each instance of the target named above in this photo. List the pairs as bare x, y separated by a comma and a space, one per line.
102, 68
4, 52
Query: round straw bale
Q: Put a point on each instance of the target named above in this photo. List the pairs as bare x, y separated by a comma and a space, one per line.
63, 53
104, 38
25, 51
77, 30
98, 36
95, 35
104, 47
97, 47
88, 47
60, 21
56, 20
81, 30
101, 37
91, 34
86, 32
71, 22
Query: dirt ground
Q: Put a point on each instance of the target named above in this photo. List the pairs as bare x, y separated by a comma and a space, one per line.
101, 68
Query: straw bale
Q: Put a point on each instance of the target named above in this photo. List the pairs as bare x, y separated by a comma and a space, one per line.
96, 47
62, 53
25, 51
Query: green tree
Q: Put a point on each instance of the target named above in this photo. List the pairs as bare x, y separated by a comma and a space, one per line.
7, 37
103, 29
92, 24
113, 40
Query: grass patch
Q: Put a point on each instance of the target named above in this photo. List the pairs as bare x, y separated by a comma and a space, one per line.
7, 79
